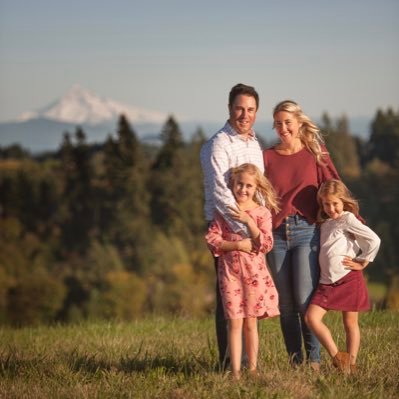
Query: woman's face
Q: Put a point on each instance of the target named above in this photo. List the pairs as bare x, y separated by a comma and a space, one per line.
287, 126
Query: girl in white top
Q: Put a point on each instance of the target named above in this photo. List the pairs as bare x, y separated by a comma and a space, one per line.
346, 248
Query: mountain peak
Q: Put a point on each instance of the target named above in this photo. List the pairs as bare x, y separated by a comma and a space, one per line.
76, 91
80, 106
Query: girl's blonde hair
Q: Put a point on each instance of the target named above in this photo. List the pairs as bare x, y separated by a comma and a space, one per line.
309, 133
338, 189
264, 188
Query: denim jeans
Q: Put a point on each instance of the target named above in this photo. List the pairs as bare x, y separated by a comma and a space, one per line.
294, 265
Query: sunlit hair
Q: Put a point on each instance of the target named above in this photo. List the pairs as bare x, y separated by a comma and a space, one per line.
264, 188
309, 133
241, 89
337, 189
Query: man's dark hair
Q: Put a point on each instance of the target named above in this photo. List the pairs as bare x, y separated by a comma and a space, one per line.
245, 90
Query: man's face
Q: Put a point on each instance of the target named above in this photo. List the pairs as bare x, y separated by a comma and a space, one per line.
243, 114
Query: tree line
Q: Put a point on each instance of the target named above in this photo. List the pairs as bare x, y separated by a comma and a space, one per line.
115, 230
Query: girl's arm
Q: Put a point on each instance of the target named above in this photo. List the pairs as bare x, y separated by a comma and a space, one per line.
242, 216
260, 230
218, 245
244, 245
264, 222
354, 264
367, 240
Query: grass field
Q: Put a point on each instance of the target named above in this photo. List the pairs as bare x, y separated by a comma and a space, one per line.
175, 358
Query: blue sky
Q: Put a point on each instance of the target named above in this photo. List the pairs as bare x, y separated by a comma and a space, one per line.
183, 57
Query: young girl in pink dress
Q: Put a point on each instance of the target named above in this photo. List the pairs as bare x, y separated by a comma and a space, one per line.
247, 289
346, 248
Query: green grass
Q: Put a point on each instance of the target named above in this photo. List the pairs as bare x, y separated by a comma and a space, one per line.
377, 291
175, 358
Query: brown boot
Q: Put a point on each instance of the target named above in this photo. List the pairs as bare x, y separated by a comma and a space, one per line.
342, 361
315, 366
353, 368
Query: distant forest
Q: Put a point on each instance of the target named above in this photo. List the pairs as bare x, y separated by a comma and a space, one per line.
115, 231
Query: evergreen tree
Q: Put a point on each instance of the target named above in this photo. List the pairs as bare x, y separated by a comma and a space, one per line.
167, 185
384, 139
126, 206
341, 146
172, 142
79, 202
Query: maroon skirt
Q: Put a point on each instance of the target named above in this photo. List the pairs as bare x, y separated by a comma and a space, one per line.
348, 294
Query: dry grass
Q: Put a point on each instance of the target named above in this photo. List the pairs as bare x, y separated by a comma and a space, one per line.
175, 358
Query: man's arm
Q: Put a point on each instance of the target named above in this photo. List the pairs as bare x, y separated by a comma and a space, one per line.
216, 171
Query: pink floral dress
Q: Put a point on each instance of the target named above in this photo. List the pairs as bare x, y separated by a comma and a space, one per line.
246, 286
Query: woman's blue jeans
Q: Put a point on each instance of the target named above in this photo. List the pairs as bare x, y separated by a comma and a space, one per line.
294, 265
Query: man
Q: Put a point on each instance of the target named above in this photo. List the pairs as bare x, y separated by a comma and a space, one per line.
231, 146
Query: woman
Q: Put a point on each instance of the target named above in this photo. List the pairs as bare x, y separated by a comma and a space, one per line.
296, 167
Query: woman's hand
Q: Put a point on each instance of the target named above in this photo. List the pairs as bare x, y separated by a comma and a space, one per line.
354, 264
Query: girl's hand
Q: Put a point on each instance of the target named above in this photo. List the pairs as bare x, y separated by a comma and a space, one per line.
238, 214
354, 264
245, 245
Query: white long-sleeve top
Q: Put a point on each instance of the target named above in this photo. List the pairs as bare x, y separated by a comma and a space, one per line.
336, 243
223, 151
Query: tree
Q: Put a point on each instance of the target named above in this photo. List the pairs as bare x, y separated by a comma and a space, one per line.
171, 182
384, 139
341, 146
35, 299
125, 211
172, 140
77, 218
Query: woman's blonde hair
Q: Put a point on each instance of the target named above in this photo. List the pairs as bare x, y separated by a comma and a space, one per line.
309, 133
338, 189
264, 189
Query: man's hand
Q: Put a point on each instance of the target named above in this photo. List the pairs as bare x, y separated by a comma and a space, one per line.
238, 214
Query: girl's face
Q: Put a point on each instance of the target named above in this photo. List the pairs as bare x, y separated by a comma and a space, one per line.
287, 126
244, 188
332, 206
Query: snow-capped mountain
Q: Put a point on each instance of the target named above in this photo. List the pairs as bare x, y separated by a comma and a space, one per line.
80, 106
43, 130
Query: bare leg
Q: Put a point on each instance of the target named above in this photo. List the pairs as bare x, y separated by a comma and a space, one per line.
352, 331
235, 345
314, 319
251, 341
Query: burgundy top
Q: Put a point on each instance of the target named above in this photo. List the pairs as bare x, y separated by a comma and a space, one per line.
296, 179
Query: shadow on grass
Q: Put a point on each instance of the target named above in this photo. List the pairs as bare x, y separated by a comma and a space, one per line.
170, 363
12, 364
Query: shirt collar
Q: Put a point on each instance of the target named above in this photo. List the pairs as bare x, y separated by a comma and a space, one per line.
232, 132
